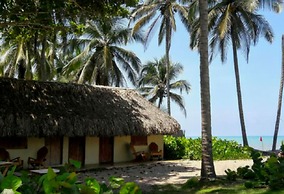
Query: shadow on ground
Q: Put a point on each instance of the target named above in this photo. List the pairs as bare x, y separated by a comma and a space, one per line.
146, 174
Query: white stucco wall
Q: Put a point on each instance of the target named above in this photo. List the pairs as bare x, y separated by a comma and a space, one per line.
92, 150
65, 150
121, 151
34, 144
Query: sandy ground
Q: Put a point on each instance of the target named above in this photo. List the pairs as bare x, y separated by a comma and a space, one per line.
160, 172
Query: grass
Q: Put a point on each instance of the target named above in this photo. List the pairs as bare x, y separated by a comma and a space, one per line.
219, 186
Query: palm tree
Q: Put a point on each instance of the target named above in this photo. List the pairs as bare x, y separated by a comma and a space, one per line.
12, 59
102, 60
279, 100
277, 5
207, 165
235, 21
28, 57
152, 82
165, 11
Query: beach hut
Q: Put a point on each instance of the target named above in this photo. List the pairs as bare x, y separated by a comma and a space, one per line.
91, 124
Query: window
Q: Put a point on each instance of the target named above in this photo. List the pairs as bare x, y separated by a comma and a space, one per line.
139, 140
14, 142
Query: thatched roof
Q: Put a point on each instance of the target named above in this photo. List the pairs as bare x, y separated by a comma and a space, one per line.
32, 108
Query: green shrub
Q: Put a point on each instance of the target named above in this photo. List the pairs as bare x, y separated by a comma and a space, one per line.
249, 184
231, 175
246, 173
227, 150
175, 147
191, 183
64, 182
262, 173
274, 172
189, 148
193, 149
282, 147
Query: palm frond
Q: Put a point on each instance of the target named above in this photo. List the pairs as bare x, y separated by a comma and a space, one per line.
181, 85
143, 21
179, 101
88, 69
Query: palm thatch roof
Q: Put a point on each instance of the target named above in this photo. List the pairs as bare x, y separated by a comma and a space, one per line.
38, 109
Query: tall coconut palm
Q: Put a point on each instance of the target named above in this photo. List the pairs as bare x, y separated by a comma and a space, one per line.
152, 82
279, 101
103, 58
276, 5
238, 22
153, 11
207, 165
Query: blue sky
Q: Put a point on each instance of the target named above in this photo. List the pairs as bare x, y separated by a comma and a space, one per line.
260, 82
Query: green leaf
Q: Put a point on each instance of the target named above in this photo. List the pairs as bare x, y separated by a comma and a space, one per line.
130, 188
65, 184
75, 163
11, 182
51, 174
115, 182
93, 184
87, 190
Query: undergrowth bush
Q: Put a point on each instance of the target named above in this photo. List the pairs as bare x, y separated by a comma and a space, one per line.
262, 173
65, 182
189, 148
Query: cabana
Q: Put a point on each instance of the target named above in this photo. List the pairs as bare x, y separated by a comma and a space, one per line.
91, 124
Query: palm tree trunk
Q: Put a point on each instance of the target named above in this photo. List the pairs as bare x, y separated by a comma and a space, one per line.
43, 69
239, 93
168, 46
279, 100
207, 165
29, 74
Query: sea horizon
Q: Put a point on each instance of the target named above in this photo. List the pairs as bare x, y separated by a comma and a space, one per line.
258, 142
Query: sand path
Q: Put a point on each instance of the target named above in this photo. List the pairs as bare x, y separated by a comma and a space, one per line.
161, 172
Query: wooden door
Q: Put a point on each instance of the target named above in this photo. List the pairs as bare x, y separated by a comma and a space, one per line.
54, 146
77, 149
106, 150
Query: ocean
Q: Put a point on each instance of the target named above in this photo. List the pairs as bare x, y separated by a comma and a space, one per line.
254, 141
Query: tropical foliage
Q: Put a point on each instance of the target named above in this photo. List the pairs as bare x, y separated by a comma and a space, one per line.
34, 33
152, 82
263, 173
102, 59
234, 23
84, 41
190, 148
29, 56
164, 11
64, 182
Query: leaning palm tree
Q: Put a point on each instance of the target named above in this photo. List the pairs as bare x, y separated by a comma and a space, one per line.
153, 11
279, 101
152, 82
276, 6
103, 59
238, 22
